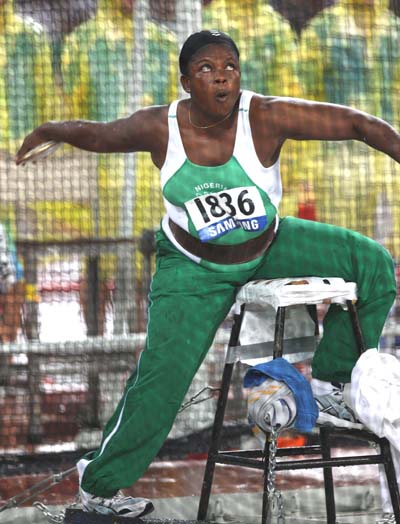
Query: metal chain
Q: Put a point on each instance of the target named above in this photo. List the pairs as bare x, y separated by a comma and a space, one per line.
36, 489
273, 495
273, 446
280, 518
196, 400
50, 517
50, 481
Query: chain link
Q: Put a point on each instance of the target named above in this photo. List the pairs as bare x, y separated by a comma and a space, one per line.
280, 518
50, 517
275, 497
273, 446
196, 400
36, 489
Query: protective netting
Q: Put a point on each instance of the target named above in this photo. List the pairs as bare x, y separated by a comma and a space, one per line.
78, 228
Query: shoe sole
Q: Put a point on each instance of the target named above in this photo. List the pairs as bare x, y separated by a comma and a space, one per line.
78, 516
149, 508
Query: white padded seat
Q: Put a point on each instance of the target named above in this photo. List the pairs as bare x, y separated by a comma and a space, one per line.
263, 298
282, 292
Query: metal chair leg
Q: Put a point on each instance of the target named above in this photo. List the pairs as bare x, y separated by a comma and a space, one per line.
265, 499
391, 478
328, 477
215, 443
355, 322
218, 422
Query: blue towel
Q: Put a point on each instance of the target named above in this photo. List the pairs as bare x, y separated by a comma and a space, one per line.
280, 369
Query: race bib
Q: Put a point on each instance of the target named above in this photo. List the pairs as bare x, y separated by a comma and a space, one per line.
216, 214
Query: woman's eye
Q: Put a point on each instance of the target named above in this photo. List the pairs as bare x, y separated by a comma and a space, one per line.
230, 67
205, 68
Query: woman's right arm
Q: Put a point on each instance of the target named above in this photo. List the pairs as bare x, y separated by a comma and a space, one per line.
141, 131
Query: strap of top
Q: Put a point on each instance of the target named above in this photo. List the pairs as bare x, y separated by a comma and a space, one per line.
244, 140
174, 141
245, 100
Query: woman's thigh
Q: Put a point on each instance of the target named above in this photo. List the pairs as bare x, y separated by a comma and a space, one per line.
308, 248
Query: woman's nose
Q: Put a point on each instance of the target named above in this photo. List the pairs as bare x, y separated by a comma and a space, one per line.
220, 76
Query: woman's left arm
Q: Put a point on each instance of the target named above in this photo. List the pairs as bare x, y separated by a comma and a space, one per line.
303, 120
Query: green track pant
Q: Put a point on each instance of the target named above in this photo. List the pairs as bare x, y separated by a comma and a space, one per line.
188, 303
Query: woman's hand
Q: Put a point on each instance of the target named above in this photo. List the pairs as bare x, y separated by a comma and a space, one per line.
35, 145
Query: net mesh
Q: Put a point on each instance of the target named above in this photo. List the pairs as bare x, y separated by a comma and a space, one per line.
77, 229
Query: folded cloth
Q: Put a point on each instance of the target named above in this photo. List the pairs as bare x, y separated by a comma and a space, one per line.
374, 396
280, 369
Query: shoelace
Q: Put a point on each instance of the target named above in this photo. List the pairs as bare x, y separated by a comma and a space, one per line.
387, 518
338, 394
107, 502
118, 496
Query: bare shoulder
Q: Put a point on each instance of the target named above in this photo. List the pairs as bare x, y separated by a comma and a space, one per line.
158, 122
277, 106
147, 128
280, 118
270, 116
156, 111
151, 116
287, 117
150, 126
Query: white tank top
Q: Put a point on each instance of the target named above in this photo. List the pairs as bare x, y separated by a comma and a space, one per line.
194, 194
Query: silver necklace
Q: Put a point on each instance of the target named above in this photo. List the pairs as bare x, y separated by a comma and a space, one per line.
211, 125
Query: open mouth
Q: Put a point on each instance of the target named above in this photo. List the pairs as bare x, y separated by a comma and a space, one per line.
222, 96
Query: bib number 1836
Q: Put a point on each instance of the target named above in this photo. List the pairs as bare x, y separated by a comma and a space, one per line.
216, 214
219, 204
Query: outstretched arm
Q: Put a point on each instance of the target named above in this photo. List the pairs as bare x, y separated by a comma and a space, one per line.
302, 120
142, 131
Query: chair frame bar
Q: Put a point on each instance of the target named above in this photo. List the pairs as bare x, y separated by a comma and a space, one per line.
259, 459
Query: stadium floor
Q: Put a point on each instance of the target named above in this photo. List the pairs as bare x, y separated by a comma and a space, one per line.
174, 487
241, 511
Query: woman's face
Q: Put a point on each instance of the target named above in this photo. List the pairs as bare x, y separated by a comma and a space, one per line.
213, 79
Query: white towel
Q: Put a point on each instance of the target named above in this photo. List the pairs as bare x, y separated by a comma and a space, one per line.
374, 395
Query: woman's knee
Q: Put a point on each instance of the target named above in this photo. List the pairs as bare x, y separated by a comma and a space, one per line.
387, 271
380, 264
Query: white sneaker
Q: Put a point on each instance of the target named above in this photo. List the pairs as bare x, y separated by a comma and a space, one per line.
119, 505
387, 518
334, 412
